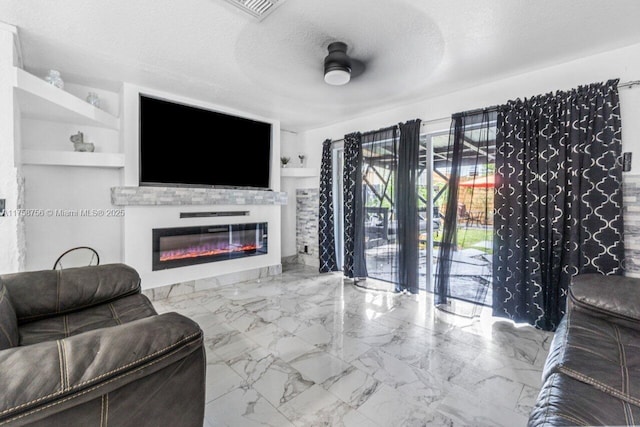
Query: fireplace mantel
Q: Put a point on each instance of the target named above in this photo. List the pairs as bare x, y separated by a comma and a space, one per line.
179, 196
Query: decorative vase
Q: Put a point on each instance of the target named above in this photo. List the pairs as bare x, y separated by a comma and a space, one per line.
53, 78
93, 99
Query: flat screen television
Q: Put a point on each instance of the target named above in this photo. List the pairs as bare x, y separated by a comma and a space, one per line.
186, 146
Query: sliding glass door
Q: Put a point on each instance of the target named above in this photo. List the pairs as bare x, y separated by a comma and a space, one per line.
471, 249
471, 270
338, 201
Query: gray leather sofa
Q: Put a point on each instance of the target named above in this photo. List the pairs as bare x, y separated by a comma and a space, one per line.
83, 347
592, 372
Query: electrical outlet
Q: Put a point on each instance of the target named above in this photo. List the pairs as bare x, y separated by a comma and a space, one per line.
626, 162
2, 207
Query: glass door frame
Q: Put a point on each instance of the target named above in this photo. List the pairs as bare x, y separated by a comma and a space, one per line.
428, 130
337, 159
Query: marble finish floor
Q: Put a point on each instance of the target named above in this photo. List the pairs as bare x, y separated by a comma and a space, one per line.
304, 349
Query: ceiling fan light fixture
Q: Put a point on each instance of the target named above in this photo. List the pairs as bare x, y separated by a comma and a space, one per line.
337, 77
337, 65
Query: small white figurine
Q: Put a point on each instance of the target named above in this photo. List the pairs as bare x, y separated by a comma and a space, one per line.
79, 144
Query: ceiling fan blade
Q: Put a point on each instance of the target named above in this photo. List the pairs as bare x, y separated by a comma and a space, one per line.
357, 68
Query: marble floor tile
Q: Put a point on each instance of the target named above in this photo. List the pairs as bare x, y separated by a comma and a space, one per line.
218, 334
353, 387
419, 386
388, 407
386, 367
304, 349
244, 407
319, 366
185, 307
508, 367
345, 348
246, 321
280, 342
471, 408
527, 400
318, 407
316, 334
221, 379
236, 343
485, 383
273, 378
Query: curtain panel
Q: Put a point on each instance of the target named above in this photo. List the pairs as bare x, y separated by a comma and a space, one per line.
407, 206
326, 236
354, 243
558, 199
379, 178
471, 151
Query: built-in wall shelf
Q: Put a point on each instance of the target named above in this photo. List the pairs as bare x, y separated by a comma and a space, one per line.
298, 172
72, 158
40, 100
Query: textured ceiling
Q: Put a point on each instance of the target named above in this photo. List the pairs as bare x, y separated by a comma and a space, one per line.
413, 49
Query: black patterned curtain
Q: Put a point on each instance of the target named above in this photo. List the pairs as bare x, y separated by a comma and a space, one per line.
326, 237
558, 199
354, 244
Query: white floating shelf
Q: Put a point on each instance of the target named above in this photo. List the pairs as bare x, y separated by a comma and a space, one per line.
72, 158
298, 172
40, 100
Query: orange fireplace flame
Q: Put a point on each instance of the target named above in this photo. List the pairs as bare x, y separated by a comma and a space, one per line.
204, 252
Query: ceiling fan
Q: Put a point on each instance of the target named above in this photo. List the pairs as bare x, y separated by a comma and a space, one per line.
339, 68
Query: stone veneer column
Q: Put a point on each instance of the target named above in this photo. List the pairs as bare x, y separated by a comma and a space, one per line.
307, 200
12, 249
631, 200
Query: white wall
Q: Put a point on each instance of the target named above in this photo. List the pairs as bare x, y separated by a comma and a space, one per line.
289, 147
70, 189
140, 220
620, 63
11, 227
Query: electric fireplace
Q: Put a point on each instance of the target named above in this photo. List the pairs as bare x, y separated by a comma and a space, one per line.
183, 246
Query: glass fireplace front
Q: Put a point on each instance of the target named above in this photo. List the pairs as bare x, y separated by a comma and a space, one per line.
183, 246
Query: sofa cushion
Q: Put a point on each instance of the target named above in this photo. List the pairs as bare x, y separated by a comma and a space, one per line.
63, 291
8, 321
617, 301
564, 401
594, 351
115, 313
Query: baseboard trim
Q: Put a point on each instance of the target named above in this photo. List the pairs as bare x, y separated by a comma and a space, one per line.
193, 286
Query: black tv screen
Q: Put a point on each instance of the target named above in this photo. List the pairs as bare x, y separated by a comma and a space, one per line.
181, 145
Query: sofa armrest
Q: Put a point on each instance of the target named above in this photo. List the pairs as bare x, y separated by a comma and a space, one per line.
616, 298
49, 377
40, 294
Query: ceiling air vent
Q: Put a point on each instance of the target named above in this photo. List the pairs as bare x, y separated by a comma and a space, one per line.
257, 8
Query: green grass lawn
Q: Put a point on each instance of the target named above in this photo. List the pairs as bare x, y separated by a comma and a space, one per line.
468, 237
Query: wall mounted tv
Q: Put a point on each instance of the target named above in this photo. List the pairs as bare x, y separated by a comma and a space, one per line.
182, 145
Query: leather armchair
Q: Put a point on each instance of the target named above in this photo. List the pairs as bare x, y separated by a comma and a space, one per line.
592, 372
83, 346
